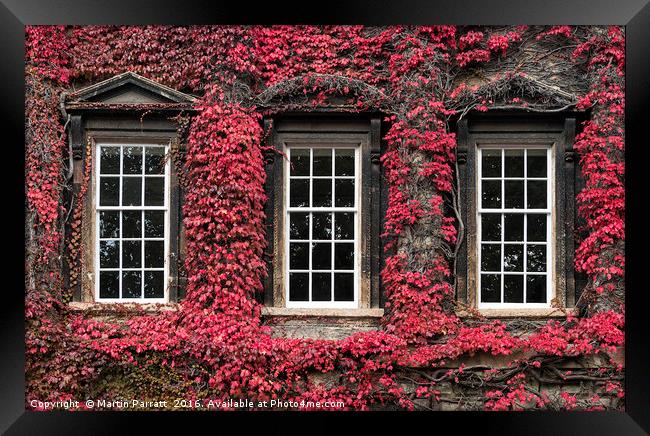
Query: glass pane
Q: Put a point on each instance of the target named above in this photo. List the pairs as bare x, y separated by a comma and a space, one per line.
535, 289
491, 191
490, 288
344, 256
109, 224
299, 286
109, 254
321, 286
491, 163
154, 254
536, 258
536, 227
514, 194
154, 284
321, 255
344, 225
154, 224
537, 194
109, 191
513, 257
343, 287
344, 191
322, 226
344, 162
299, 162
154, 191
131, 191
110, 160
299, 255
513, 288
299, 226
322, 194
322, 161
299, 193
514, 160
490, 257
131, 254
131, 284
131, 224
491, 227
109, 284
536, 165
132, 160
514, 224
154, 161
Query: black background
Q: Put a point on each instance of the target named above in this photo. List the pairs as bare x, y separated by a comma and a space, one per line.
14, 14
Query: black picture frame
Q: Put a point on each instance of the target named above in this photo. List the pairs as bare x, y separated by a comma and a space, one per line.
15, 14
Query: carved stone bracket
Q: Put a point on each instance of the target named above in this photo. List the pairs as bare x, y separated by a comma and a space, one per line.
569, 156
375, 157
462, 157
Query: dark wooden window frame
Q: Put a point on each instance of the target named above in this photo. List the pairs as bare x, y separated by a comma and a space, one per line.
364, 130
527, 129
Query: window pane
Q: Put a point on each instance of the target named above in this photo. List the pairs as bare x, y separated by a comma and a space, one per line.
344, 225
154, 284
154, 254
109, 191
131, 254
513, 257
344, 162
322, 194
537, 194
491, 194
299, 193
321, 255
322, 226
131, 224
513, 288
299, 226
536, 165
131, 284
490, 288
536, 230
109, 254
154, 161
132, 160
491, 227
109, 224
321, 286
322, 161
343, 287
154, 191
536, 258
299, 286
299, 255
514, 194
514, 160
110, 160
535, 289
154, 224
344, 190
131, 191
514, 223
491, 163
109, 284
344, 256
299, 162
490, 257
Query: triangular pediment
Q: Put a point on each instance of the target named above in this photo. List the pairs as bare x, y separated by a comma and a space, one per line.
129, 89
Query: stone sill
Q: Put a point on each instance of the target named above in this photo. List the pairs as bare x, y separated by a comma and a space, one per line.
326, 313
118, 308
520, 313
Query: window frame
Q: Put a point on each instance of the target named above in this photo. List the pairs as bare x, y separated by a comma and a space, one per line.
167, 208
